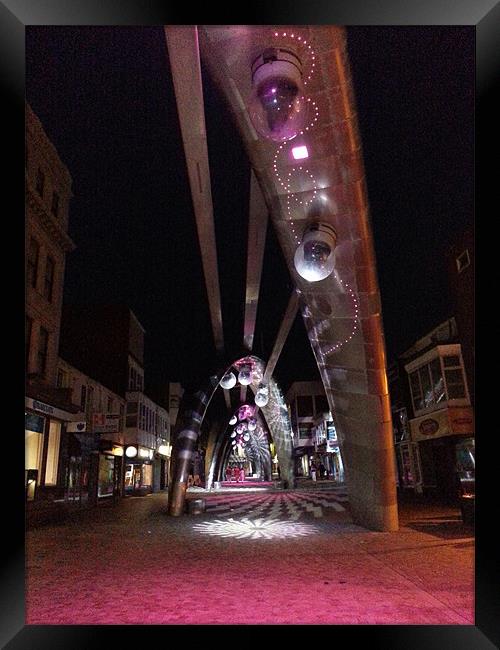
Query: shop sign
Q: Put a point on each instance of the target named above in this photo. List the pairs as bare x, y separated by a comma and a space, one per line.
461, 420
48, 410
331, 432
331, 446
76, 427
105, 423
428, 427
145, 453
445, 422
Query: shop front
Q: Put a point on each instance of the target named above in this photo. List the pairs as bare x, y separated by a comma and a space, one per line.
110, 470
44, 429
138, 470
76, 453
440, 435
164, 453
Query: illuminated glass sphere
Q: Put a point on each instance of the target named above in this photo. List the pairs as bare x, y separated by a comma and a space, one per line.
246, 437
278, 106
233, 442
240, 428
233, 420
252, 424
245, 376
314, 259
233, 434
261, 399
228, 381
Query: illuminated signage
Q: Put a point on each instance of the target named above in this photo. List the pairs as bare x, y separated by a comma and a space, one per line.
105, 423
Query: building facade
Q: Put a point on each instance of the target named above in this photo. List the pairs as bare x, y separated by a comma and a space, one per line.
441, 422
93, 449
314, 434
107, 341
47, 407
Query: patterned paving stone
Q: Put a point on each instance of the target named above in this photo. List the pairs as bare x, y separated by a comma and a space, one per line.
286, 505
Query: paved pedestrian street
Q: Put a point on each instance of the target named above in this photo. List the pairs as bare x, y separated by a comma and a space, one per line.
289, 505
275, 557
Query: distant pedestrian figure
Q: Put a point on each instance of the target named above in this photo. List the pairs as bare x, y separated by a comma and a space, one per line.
322, 471
313, 471
229, 474
236, 474
242, 475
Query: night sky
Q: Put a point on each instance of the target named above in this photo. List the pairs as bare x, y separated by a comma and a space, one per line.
105, 98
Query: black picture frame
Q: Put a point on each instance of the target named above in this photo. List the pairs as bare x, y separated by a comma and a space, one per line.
14, 17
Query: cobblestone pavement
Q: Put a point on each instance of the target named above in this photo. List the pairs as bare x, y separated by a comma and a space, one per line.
131, 563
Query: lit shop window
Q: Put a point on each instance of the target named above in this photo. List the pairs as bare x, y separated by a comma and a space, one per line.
53, 453
33, 438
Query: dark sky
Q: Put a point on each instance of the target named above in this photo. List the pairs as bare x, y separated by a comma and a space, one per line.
105, 98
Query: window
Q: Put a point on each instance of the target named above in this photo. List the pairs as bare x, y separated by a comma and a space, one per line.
416, 391
437, 381
83, 397
139, 381
53, 453
54, 208
304, 406
49, 278
131, 421
463, 261
454, 377
27, 335
432, 384
62, 377
33, 254
40, 181
110, 405
43, 347
132, 379
305, 431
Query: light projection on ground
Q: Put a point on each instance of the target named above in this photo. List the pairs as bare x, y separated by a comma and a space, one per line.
255, 529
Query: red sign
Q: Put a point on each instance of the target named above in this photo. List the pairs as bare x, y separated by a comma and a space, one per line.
428, 427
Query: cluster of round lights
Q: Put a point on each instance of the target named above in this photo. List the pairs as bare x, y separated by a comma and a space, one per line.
247, 422
246, 375
293, 200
